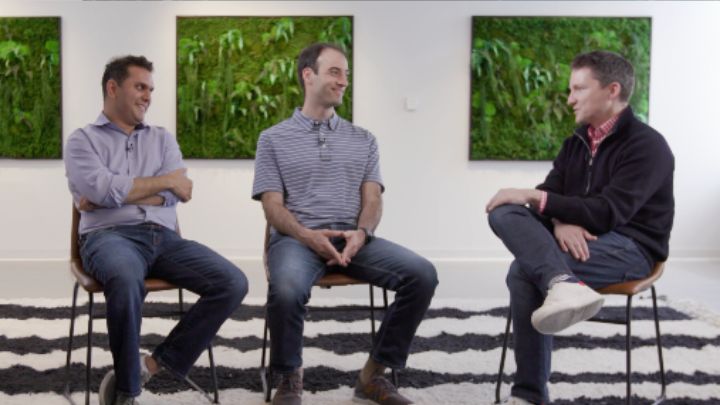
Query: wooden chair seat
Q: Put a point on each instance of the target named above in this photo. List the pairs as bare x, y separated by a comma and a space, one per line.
337, 279
635, 286
89, 284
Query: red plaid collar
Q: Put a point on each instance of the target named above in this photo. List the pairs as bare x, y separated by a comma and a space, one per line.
596, 135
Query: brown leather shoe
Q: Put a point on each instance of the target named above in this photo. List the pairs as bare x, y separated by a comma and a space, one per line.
378, 391
289, 391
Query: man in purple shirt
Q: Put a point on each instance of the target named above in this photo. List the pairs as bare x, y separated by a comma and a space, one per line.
126, 178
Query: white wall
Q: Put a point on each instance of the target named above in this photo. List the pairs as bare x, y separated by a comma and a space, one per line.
435, 197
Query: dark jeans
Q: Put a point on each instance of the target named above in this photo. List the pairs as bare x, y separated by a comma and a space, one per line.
294, 268
614, 258
121, 257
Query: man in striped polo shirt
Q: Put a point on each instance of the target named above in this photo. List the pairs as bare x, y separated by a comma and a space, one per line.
602, 216
318, 178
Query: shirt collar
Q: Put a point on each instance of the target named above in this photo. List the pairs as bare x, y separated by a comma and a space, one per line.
309, 123
103, 120
604, 128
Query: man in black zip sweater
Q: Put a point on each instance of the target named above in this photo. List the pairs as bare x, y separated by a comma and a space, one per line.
602, 216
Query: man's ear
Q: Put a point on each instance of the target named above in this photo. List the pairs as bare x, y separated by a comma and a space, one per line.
615, 89
111, 88
307, 73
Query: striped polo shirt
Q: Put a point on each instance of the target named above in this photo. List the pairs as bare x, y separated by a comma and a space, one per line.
318, 166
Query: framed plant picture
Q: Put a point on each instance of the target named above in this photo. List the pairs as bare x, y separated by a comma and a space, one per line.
236, 76
30, 88
520, 68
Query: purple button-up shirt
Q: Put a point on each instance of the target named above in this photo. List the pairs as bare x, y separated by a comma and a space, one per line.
101, 162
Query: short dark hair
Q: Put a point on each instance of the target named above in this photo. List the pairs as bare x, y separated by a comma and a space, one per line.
608, 67
117, 69
308, 58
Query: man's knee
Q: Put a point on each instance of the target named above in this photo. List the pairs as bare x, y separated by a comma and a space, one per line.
235, 286
240, 283
426, 277
498, 217
286, 295
232, 278
420, 278
224, 277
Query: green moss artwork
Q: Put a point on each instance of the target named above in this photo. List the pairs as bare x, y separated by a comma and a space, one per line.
30, 97
520, 67
236, 76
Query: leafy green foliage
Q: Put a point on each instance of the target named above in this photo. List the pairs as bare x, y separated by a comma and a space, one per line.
520, 72
30, 118
237, 77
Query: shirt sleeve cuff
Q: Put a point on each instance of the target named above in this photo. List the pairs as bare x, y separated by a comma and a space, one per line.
120, 187
543, 202
170, 198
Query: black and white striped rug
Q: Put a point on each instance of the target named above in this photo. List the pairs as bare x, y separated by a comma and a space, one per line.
454, 357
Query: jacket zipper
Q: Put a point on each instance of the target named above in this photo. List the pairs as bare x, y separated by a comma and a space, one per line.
592, 158
589, 175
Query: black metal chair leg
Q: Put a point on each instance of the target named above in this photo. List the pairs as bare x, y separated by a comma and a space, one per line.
393, 372
661, 398
197, 388
394, 376
269, 374
498, 385
628, 343
213, 370
265, 375
215, 399
88, 362
181, 302
372, 314
70, 344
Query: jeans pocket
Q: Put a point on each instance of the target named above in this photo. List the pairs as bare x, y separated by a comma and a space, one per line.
84, 238
85, 241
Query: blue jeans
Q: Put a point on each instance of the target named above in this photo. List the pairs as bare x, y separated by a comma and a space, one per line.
294, 268
614, 258
121, 257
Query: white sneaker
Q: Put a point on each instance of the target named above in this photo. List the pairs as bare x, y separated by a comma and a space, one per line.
566, 304
106, 392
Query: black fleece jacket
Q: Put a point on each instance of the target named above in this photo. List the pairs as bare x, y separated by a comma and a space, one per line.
627, 187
